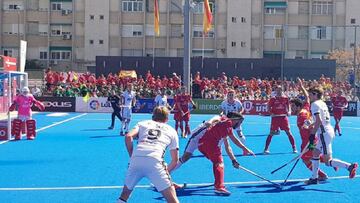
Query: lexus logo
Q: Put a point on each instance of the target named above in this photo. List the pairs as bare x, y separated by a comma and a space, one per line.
57, 104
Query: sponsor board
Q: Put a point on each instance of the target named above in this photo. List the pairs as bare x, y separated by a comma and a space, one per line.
57, 104
147, 105
93, 105
207, 106
351, 110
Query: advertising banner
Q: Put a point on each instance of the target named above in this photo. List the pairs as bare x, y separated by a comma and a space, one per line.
57, 104
93, 105
207, 106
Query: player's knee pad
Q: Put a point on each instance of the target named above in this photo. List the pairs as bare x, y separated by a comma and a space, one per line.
30, 128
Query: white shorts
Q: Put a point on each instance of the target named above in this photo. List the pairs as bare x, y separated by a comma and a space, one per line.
325, 141
150, 168
24, 118
126, 112
193, 142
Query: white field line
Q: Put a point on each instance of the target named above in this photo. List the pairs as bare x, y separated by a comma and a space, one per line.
149, 186
52, 125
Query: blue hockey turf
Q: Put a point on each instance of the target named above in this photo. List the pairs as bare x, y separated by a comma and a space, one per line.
76, 159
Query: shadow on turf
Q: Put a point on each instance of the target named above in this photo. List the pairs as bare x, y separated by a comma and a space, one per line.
204, 190
240, 155
289, 187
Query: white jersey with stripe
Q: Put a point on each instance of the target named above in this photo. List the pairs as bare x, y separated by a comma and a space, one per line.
128, 97
154, 139
320, 107
161, 100
227, 107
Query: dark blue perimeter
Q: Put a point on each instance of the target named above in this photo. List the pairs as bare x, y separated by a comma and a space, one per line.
81, 161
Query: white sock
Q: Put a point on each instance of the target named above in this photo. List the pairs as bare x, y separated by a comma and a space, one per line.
127, 126
315, 167
339, 163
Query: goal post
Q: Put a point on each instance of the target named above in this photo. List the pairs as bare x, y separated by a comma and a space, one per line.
11, 83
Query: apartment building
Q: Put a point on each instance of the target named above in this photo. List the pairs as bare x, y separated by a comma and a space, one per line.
70, 33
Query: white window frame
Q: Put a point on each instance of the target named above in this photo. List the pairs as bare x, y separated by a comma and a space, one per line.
321, 33
134, 30
275, 10
58, 6
322, 8
198, 32
132, 5
61, 55
276, 31
199, 7
41, 54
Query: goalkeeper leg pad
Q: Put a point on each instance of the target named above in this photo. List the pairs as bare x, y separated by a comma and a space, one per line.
30, 129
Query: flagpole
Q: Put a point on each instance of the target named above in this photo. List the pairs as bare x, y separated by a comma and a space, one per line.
203, 50
153, 61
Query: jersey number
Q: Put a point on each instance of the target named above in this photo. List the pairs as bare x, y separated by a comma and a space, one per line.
153, 134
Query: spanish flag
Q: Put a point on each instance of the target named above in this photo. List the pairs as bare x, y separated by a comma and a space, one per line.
156, 18
207, 21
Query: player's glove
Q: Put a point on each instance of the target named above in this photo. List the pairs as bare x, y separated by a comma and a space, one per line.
194, 106
311, 145
235, 163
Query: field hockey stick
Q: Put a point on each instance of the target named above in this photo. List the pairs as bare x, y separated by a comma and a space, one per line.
294, 159
278, 115
287, 177
255, 174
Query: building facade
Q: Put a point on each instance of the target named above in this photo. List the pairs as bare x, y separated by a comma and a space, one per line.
70, 33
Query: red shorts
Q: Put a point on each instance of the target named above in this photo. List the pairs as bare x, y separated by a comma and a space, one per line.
178, 117
280, 122
338, 115
212, 153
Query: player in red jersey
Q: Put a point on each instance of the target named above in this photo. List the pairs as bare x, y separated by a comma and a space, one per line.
304, 119
210, 146
182, 111
279, 108
339, 103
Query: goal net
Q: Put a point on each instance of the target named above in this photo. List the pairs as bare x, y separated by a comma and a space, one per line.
11, 83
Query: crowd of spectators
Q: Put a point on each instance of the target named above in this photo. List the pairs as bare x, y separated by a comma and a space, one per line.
71, 84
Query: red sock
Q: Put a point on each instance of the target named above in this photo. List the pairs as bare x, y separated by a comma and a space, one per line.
268, 140
337, 127
181, 127
218, 170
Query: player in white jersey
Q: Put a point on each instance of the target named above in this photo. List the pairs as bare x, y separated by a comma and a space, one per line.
325, 133
128, 102
146, 160
161, 99
231, 104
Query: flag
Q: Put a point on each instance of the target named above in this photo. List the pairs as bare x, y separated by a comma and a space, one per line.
86, 98
207, 21
156, 18
75, 76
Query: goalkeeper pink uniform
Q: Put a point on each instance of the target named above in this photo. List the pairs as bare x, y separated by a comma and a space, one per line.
24, 102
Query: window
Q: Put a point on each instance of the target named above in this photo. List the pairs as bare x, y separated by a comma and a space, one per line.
56, 6
101, 41
92, 17
273, 10
176, 30
14, 7
101, 17
132, 5
303, 7
91, 41
43, 55
321, 33
199, 7
243, 19
303, 32
132, 30
198, 32
55, 30
233, 19
233, 44
273, 32
322, 8
61, 55
352, 21
243, 44
8, 52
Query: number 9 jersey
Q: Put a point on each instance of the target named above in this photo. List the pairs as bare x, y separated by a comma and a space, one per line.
154, 138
